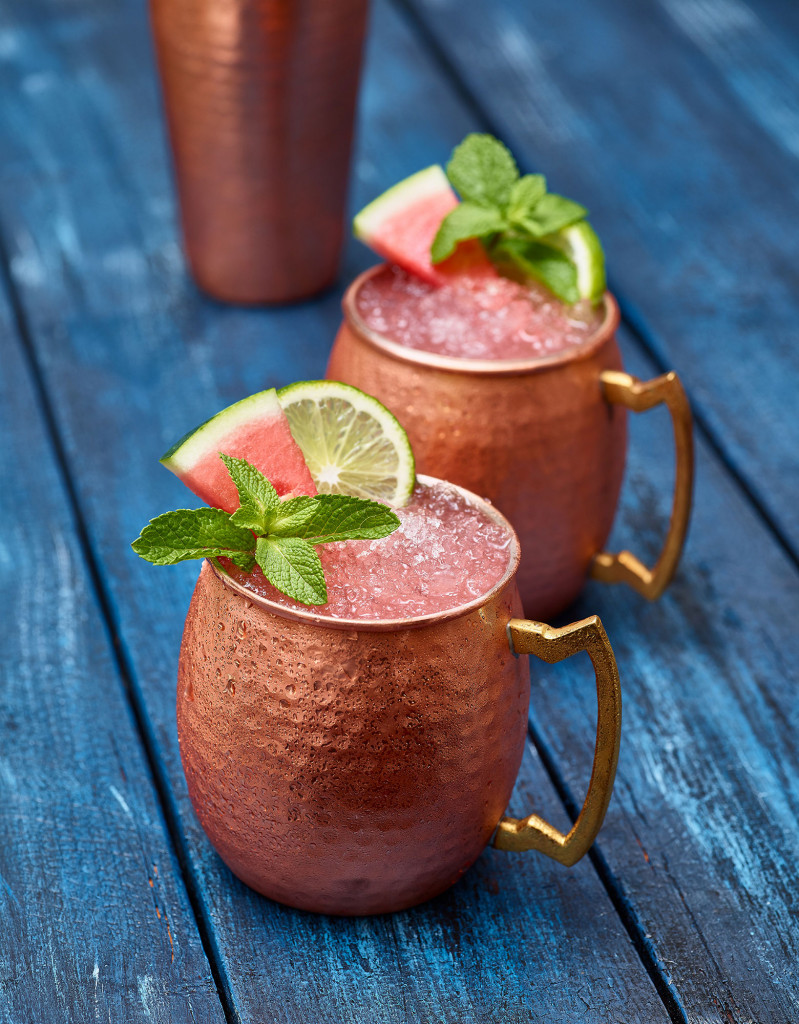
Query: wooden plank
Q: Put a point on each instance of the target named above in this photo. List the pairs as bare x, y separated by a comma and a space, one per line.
96, 924
519, 939
132, 355
755, 49
702, 833
693, 200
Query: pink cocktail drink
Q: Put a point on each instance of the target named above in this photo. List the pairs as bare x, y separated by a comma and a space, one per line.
473, 317
447, 552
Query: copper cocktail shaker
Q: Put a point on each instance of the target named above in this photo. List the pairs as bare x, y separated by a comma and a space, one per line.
260, 101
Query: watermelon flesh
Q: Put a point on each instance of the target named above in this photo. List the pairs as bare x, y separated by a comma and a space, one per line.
401, 224
255, 429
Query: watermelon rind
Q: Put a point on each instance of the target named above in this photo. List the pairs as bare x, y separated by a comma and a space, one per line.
432, 181
186, 453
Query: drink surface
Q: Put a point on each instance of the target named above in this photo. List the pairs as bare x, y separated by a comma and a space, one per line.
445, 553
473, 318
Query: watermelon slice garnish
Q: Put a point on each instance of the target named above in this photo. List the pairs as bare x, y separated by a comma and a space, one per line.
255, 429
400, 226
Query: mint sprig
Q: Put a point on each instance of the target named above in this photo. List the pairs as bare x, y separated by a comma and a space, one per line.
513, 216
278, 535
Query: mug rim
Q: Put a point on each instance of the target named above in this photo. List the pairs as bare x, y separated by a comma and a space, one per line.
484, 367
306, 614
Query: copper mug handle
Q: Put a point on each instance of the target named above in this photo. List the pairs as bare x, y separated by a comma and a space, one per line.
622, 389
553, 645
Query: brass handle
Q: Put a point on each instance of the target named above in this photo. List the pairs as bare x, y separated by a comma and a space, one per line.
553, 645
636, 395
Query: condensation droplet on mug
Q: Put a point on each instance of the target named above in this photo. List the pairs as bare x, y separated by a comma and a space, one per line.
230, 687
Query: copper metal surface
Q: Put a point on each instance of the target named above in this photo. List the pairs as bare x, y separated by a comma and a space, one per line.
538, 437
260, 100
342, 771
357, 768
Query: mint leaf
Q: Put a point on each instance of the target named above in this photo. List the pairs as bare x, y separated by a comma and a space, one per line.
524, 195
286, 532
257, 495
550, 266
483, 170
518, 222
343, 517
289, 517
292, 565
550, 214
186, 533
467, 220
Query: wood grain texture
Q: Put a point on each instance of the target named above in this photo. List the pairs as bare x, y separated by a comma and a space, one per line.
94, 918
132, 356
692, 196
702, 835
693, 199
755, 49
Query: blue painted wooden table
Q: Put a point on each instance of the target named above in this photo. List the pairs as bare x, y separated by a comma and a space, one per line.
677, 122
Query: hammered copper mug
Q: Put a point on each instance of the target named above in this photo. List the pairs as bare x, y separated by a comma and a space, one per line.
352, 767
260, 102
544, 439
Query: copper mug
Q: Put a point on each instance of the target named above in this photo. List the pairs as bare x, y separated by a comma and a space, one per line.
352, 767
544, 439
260, 102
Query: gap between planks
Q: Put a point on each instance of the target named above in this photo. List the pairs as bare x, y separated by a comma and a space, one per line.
119, 658
643, 946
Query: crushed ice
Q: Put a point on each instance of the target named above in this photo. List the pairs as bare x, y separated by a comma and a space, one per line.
446, 552
497, 319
